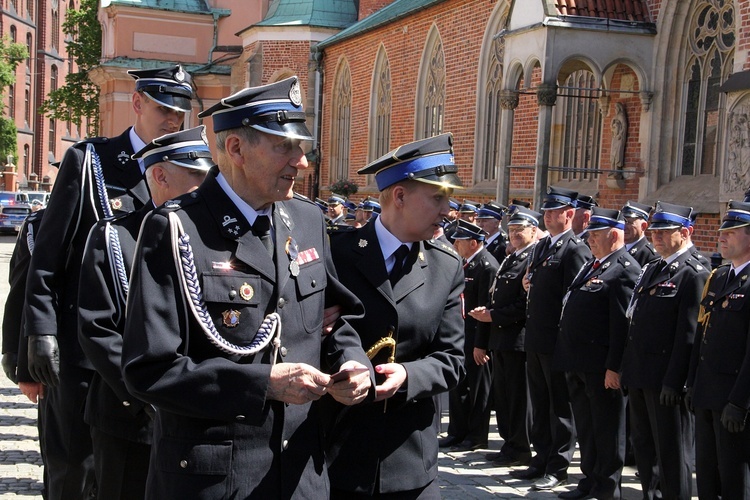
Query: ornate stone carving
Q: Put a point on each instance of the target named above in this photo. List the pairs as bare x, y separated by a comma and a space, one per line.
736, 175
508, 99
546, 94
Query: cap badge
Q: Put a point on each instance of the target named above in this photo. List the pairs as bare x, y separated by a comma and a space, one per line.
179, 75
362, 243
295, 94
231, 318
246, 291
123, 157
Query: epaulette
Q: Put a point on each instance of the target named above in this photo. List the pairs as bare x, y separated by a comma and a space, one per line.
695, 264
94, 140
33, 216
340, 228
442, 246
181, 201
117, 216
304, 198
624, 259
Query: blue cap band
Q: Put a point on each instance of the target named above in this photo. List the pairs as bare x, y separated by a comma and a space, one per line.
668, 217
408, 169
606, 221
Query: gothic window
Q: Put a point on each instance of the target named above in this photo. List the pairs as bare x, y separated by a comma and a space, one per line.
52, 145
711, 47
341, 124
26, 158
380, 107
13, 34
12, 101
492, 112
27, 107
55, 29
28, 49
432, 88
53, 79
582, 129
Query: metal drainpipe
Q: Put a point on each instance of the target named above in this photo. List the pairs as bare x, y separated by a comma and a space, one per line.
318, 57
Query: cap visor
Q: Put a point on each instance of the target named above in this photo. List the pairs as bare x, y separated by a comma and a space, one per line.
203, 164
446, 181
664, 225
733, 224
176, 102
292, 130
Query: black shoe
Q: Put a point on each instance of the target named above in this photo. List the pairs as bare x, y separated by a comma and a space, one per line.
449, 441
575, 494
548, 482
527, 474
503, 460
468, 446
494, 456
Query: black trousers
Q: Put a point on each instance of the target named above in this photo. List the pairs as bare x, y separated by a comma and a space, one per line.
600, 425
510, 399
722, 458
552, 430
428, 492
121, 466
662, 439
469, 403
69, 457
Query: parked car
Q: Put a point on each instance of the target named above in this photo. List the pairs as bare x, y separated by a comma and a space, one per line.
40, 196
12, 216
13, 197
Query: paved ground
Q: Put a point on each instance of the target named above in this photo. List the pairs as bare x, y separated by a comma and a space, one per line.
463, 476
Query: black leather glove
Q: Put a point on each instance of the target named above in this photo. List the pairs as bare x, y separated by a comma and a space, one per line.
689, 400
669, 397
733, 418
44, 359
150, 411
10, 363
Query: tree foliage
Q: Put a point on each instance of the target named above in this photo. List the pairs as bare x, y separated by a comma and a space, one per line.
8, 140
78, 98
11, 54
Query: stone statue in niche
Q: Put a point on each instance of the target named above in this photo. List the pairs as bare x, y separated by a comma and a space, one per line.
737, 171
619, 127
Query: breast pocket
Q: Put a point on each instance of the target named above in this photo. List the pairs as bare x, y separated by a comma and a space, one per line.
311, 281
234, 302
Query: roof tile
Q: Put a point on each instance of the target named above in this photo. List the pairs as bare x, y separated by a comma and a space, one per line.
623, 10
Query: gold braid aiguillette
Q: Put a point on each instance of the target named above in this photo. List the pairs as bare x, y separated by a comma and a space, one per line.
381, 344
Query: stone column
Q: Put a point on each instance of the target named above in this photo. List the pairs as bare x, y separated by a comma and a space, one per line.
508, 103
546, 96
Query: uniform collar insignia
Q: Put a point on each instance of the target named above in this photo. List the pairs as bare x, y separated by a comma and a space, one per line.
362, 243
605, 265
285, 217
123, 157
232, 226
421, 256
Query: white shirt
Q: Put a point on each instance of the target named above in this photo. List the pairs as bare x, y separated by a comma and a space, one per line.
137, 144
245, 209
388, 244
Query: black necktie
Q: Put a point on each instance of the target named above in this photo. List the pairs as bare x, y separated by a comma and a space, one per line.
262, 229
398, 267
730, 277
